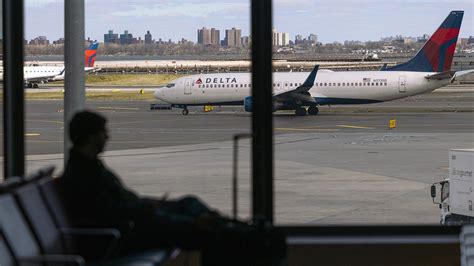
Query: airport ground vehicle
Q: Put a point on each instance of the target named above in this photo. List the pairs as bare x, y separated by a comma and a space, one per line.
455, 194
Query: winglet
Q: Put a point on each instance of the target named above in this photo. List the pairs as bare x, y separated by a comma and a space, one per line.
309, 82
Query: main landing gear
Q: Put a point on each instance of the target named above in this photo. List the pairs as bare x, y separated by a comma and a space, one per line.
185, 111
300, 111
312, 110
32, 85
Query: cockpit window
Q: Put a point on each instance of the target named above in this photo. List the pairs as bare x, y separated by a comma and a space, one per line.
170, 85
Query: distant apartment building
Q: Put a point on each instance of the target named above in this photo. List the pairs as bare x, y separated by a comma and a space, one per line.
209, 36
204, 36
298, 40
111, 37
232, 38
281, 38
215, 37
470, 40
148, 38
127, 38
274, 37
313, 39
59, 41
423, 38
40, 40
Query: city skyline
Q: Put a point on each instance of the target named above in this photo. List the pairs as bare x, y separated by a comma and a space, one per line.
365, 20
128, 37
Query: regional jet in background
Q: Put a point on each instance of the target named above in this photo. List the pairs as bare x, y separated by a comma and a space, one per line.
41, 74
305, 91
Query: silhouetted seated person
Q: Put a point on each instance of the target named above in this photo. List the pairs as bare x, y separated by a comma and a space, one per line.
97, 198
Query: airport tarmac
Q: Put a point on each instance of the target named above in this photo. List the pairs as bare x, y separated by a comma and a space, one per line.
344, 166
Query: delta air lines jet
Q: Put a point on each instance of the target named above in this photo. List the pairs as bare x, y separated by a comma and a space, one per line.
40, 74
304, 92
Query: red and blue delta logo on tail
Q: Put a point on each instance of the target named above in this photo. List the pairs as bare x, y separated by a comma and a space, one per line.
437, 54
91, 53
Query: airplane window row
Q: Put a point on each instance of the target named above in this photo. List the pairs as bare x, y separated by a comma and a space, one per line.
334, 84
225, 86
286, 84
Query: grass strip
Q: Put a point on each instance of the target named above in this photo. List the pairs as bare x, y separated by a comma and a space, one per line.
128, 79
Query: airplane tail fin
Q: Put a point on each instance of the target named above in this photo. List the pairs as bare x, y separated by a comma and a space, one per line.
90, 54
437, 53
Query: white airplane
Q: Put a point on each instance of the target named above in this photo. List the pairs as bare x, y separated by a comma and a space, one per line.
428, 70
41, 74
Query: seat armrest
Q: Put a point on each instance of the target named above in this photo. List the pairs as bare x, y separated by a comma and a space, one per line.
52, 259
113, 236
110, 232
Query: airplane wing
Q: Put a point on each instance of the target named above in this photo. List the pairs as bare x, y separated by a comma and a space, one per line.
91, 69
301, 92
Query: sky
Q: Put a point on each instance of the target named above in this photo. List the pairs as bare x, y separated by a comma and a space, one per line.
331, 20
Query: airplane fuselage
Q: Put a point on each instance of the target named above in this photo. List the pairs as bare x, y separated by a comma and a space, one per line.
329, 87
43, 73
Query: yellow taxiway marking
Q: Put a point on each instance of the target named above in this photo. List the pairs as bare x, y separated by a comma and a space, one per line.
444, 168
305, 129
349, 126
32, 134
118, 108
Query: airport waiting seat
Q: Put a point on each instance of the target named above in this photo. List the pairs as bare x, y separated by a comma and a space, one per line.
6, 257
51, 239
10, 183
43, 197
48, 250
20, 239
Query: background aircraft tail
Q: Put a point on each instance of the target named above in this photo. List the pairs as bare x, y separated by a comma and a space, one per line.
437, 54
90, 54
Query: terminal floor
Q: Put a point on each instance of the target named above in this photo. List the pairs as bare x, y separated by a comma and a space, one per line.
344, 166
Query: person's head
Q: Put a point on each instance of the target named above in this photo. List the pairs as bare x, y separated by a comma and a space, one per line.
88, 132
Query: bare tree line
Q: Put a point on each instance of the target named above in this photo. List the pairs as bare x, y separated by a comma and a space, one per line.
139, 49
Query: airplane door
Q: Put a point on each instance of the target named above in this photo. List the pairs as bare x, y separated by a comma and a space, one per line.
402, 84
187, 86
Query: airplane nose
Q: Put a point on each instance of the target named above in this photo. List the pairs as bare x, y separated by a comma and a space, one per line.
161, 94
158, 93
